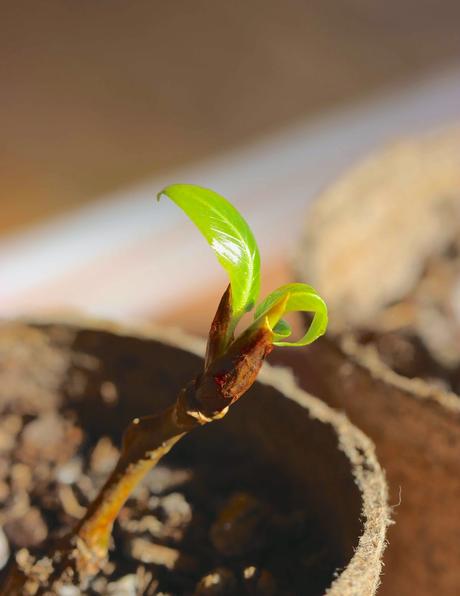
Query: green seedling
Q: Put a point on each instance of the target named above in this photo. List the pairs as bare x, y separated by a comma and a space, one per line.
231, 365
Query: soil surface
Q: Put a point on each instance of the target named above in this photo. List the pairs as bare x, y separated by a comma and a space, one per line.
187, 529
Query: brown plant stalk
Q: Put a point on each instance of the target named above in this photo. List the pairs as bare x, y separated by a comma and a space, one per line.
231, 367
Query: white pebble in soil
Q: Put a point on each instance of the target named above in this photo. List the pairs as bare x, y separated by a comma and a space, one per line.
69, 591
69, 472
4, 549
126, 586
163, 479
220, 582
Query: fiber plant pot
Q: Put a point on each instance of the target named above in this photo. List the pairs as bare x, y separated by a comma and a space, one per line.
382, 246
282, 496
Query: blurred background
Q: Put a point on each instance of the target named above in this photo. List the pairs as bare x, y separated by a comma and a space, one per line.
267, 101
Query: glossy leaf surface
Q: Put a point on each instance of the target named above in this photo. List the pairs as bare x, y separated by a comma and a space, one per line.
291, 298
229, 236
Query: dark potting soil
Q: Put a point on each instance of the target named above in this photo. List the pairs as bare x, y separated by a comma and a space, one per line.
186, 530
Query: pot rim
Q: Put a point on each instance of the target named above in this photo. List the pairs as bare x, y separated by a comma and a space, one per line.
416, 387
361, 576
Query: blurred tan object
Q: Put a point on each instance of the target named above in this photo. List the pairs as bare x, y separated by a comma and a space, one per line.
368, 238
301, 452
125, 257
383, 246
416, 429
95, 99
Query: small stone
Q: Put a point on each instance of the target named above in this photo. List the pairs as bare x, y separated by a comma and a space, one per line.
68, 591
104, 457
220, 582
77, 383
258, 582
149, 523
99, 585
21, 476
12, 423
163, 479
51, 438
42, 569
176, 508
109, 392
4, 549
126, 586
153, 503
69, 502
240, 526
18, 506
108, 568
175, 513
69, 472
27, 530
147, 583
24, 559
86, 361
7, 441
42, 472
156, 554
141, 494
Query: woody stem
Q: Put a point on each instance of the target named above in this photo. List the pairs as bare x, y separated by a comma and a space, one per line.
145, 442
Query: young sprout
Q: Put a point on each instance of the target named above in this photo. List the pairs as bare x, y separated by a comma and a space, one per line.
230, 368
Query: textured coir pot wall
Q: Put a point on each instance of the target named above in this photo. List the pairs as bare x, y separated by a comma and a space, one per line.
326, 462
382, 246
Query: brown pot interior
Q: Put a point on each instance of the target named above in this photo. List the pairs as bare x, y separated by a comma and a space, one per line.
382, 245
290, 449
416, 430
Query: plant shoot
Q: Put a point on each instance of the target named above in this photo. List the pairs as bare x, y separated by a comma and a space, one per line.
230, 368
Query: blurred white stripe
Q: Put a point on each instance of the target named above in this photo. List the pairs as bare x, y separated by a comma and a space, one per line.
125, 255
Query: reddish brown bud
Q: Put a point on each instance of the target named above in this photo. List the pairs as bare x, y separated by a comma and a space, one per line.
219, 336
232, 374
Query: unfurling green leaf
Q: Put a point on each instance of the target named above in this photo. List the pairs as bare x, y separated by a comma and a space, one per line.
229, 236
282, 329
291, 298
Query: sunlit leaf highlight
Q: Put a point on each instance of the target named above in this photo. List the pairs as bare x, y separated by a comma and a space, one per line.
229, 236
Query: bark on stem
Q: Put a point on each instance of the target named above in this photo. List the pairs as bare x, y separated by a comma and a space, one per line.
145, 442
83, 553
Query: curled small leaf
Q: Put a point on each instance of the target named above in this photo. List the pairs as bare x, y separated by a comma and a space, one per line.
293, 297
282, 329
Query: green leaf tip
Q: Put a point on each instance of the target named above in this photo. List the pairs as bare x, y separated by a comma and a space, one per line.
230, 237
291, 298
